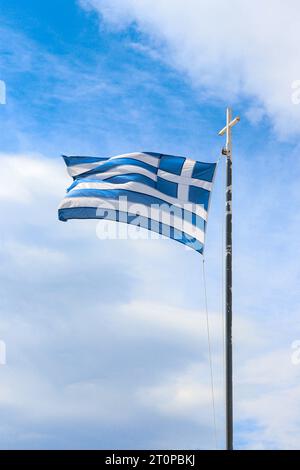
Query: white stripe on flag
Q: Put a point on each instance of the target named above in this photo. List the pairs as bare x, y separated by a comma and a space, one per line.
75, 170
152, 213
143, 189
142, 157
123, 170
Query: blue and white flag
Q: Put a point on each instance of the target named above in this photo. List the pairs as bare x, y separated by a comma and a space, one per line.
166, 194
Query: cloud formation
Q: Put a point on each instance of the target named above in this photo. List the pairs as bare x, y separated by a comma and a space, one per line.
233, 50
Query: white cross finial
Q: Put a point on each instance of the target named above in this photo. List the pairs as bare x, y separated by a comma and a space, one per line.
229, 124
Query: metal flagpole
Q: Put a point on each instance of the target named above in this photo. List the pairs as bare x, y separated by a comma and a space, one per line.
227, 151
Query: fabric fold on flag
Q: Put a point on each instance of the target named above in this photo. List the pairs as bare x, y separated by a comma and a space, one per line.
165, 194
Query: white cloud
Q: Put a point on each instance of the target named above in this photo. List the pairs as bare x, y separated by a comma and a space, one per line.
28, 178
187, 324
268, 390
186, 393
233, 50
39, 396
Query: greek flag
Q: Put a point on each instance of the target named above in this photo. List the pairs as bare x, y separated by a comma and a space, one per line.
166, 194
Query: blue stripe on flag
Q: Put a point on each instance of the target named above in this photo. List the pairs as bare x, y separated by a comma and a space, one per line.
112, 163
74, 160
116, 179
121, 179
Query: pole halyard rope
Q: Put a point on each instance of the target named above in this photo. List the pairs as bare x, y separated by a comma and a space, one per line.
210, 356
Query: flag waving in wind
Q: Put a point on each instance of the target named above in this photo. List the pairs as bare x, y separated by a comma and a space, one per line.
162, 193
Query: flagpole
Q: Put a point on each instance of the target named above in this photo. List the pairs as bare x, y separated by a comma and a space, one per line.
227, 151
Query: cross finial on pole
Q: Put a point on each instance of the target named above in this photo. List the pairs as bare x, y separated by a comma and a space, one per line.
229, 124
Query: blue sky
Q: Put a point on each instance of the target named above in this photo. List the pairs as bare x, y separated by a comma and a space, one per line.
106, 340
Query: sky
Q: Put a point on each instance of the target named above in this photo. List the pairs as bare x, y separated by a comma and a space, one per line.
106, 340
